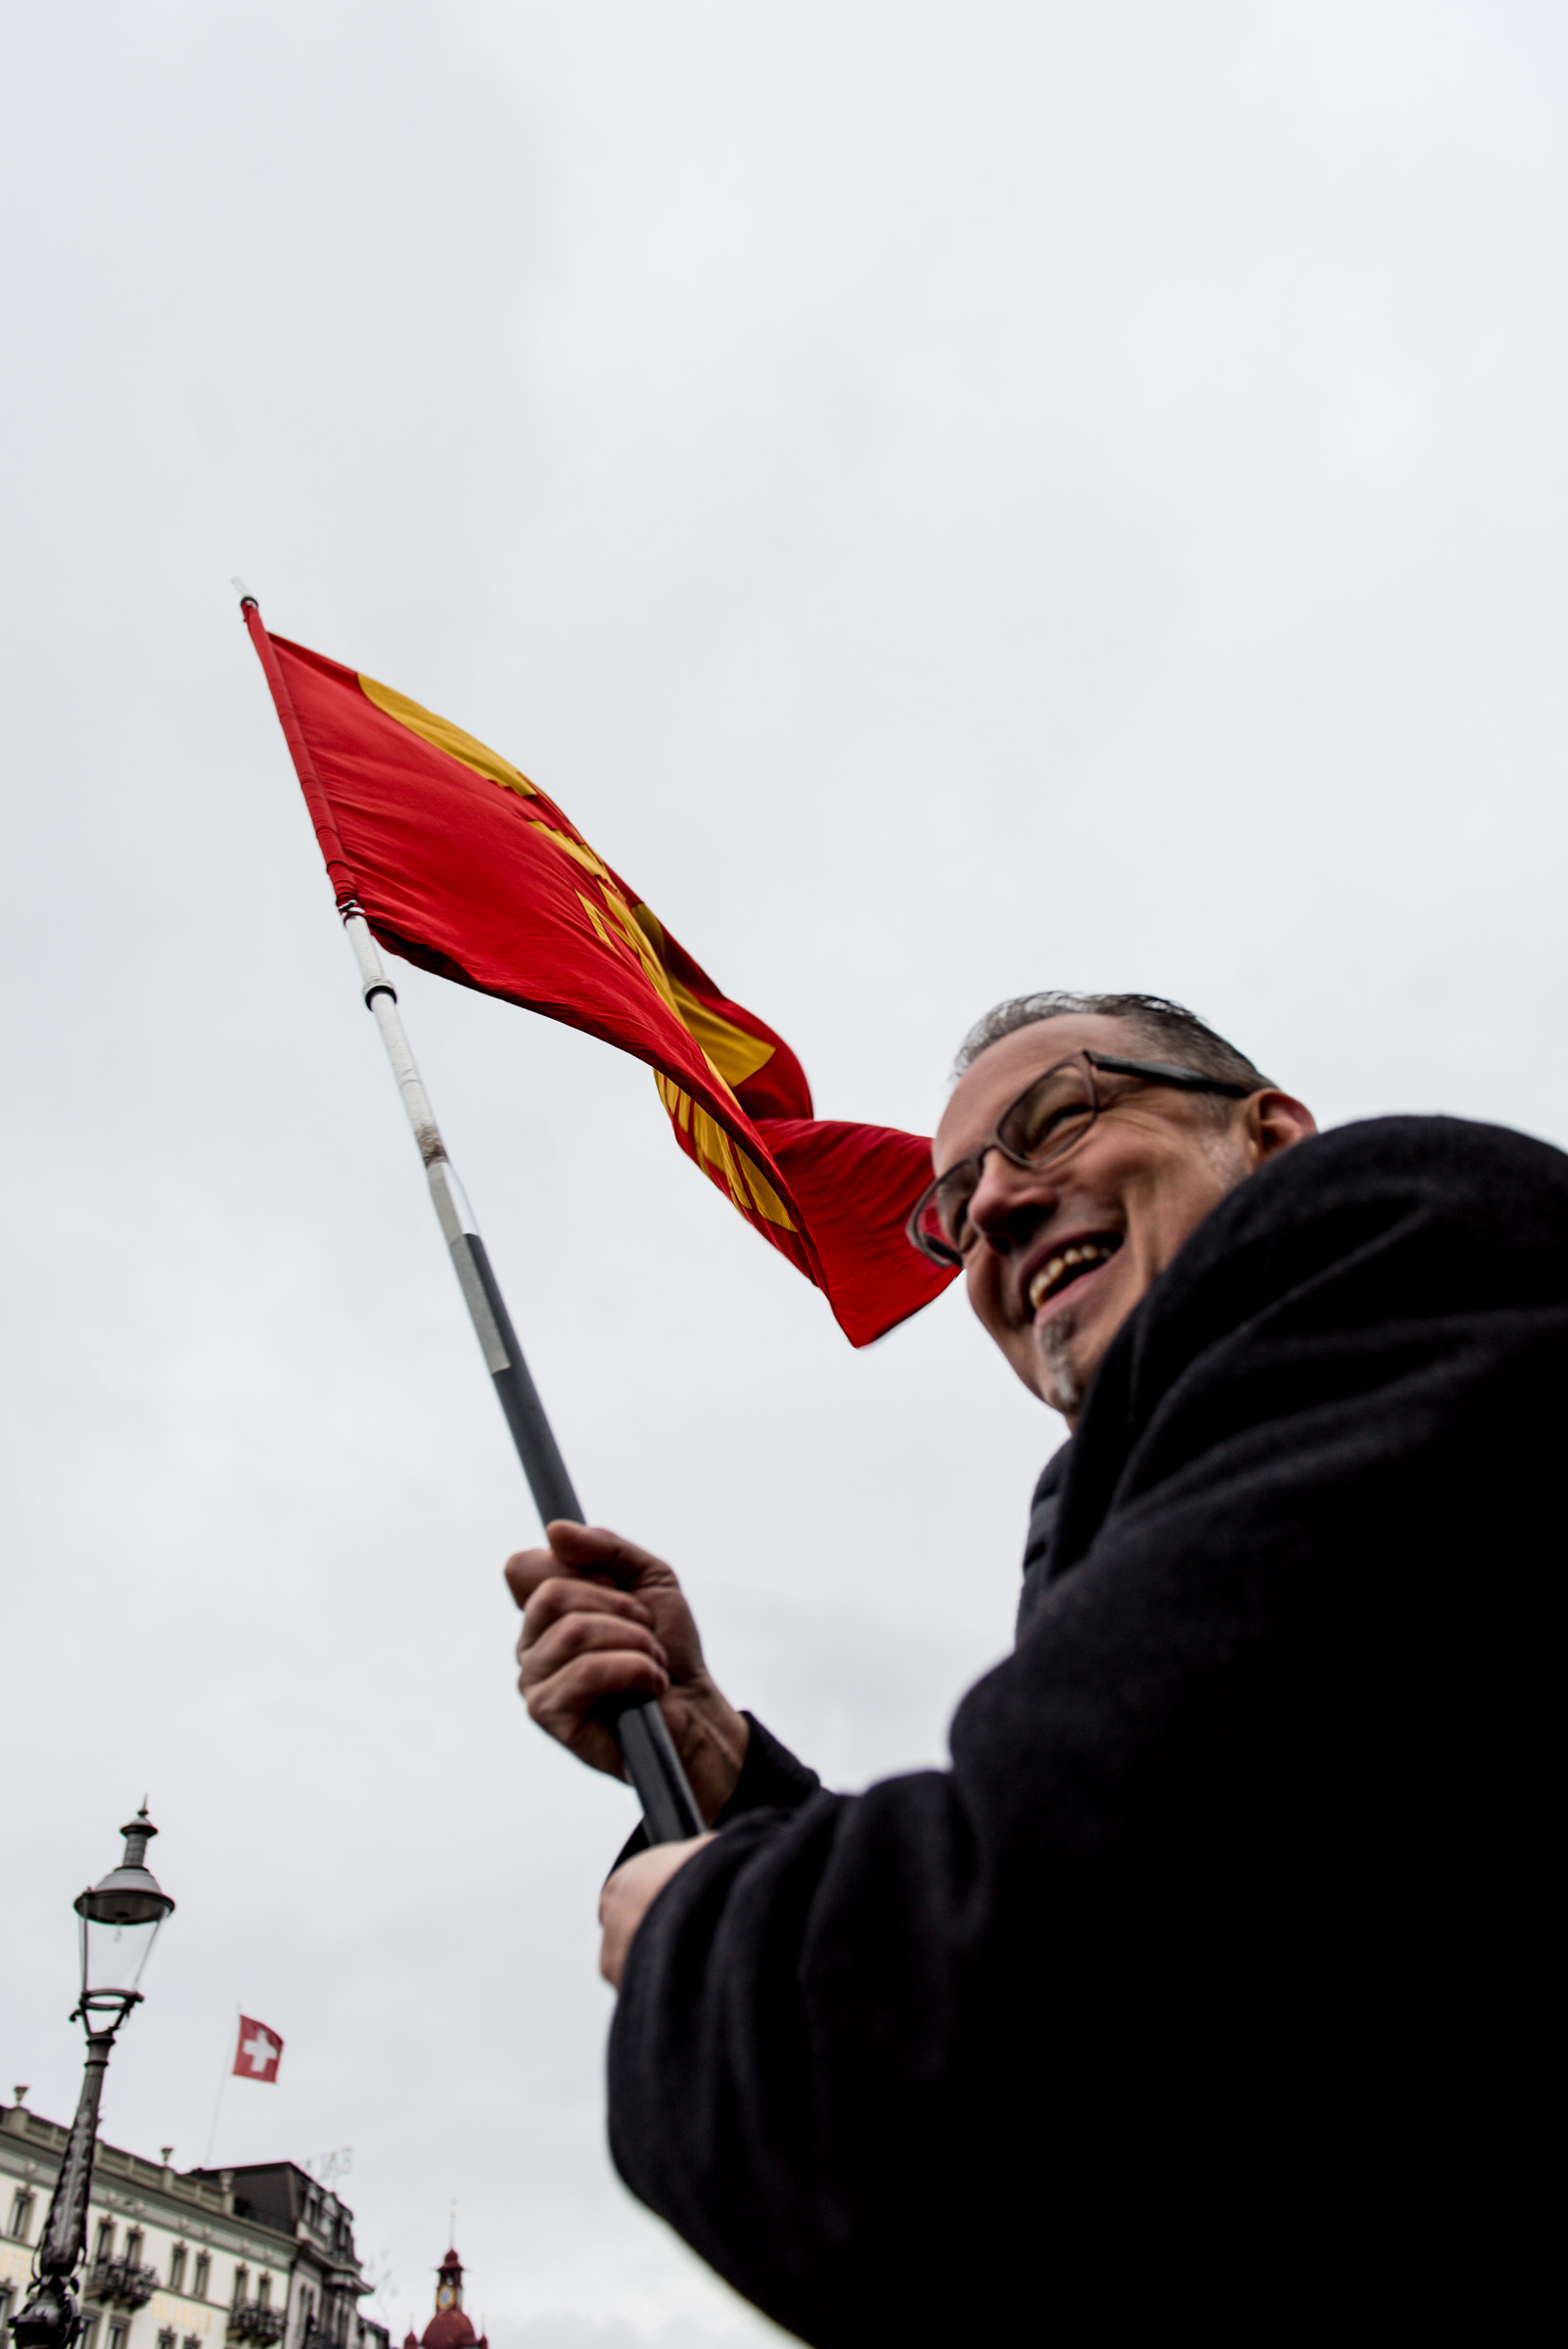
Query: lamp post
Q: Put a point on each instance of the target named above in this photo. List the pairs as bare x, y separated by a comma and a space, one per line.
121, 1917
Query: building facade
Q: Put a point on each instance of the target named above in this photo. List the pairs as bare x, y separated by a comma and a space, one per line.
255, 2258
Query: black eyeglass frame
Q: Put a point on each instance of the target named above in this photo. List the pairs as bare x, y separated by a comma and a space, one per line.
1152, 1072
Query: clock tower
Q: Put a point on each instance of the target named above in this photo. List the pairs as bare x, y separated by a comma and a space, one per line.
448, 2327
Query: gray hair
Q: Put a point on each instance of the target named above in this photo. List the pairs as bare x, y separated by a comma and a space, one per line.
1166, 1030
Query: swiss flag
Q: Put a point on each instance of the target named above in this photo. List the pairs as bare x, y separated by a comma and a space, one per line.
259, 2051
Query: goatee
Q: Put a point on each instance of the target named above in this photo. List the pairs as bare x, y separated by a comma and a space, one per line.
1064, 1389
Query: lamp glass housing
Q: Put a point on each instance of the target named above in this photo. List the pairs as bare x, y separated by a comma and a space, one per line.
120, 1918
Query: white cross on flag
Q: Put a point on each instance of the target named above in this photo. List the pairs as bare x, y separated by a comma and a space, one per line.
259, 2051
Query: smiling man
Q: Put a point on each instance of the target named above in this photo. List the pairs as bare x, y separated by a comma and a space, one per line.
1060, 1240
1129, 2013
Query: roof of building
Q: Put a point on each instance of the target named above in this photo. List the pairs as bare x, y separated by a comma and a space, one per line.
448, 2328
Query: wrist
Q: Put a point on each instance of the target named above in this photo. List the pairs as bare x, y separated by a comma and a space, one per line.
713, 1751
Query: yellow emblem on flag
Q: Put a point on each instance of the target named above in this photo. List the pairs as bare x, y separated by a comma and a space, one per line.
448, 738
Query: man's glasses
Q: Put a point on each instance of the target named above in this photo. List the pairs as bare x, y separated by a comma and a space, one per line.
1045, 1122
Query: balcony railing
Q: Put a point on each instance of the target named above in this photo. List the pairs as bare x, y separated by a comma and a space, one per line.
122, 2281
251, 2322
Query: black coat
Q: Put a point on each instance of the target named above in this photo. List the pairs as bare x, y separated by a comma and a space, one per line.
1187, 1988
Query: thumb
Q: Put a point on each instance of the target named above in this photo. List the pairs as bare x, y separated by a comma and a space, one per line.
586, 1547
595, 1550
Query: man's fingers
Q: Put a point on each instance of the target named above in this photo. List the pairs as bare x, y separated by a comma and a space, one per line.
595, 1550
564, 1703
582, 1657
584, 1632
526, 1570
563, 1594
559, 1602
603, 1618
586, 1549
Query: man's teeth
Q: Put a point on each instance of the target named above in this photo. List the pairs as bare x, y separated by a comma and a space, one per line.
1088, 1252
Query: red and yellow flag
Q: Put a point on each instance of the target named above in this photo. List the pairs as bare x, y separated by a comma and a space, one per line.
462, 864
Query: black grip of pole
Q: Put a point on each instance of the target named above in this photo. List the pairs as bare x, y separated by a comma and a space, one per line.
554, 1493
669, 1807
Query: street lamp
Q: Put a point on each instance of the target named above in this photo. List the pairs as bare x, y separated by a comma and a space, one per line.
121, 1917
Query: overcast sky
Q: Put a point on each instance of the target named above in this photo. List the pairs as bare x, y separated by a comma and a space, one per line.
951, 500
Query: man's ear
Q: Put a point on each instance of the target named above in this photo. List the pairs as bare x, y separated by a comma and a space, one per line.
1273, 1122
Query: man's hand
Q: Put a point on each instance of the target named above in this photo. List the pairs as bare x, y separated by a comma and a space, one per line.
601, 1617
630, 1895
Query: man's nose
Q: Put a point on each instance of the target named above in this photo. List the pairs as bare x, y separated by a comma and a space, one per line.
1009, 1203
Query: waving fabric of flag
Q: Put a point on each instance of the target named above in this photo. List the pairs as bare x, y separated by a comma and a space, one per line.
259, 2053
462, 864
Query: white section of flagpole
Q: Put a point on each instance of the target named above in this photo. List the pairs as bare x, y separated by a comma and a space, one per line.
669, 1807
452, 1210
228, 2068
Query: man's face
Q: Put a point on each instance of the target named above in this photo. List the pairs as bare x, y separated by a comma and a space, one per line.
1153, 1165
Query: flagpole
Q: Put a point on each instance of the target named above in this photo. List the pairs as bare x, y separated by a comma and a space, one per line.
228, 2068
670, 1809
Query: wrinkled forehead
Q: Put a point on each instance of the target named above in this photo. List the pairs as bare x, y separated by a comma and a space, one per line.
1003, 1071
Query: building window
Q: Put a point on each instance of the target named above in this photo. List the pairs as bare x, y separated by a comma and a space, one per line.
88, 2335
263, 2292
193, 2340
119, 2328
241, 2277
104, 2248
176, 2268
165, 2339
133, 2248
204, 2270
5, 2305
21, 2214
